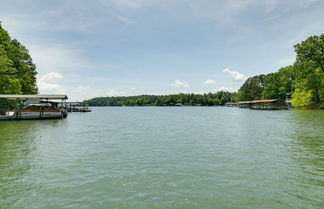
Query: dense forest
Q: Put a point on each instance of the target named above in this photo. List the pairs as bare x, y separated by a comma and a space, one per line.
17, 70
303, 81
219, 98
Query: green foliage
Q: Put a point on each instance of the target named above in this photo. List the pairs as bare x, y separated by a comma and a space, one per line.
219, 98
304, 80
302, 98
287, 78
309, 66
311, 51
8, 81
252, 88
280, 84
17, 71
271, 88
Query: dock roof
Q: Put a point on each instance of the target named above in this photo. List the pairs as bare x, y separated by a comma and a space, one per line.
33, 97
264, 100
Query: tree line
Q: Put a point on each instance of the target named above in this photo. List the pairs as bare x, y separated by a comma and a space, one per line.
17, 70
303, 81
210, 99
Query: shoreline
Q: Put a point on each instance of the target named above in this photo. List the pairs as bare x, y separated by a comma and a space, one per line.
292, 108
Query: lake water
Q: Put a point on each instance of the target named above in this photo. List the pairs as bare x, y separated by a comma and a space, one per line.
164, 157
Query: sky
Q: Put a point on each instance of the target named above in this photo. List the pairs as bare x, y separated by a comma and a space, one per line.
91, 48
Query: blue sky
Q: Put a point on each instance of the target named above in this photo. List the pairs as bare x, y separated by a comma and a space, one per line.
132, 47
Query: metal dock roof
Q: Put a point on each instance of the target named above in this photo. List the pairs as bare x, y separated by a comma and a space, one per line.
264, 100
33, 97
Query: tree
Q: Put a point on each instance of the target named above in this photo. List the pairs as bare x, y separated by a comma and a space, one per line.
302, 98
287, 79
271, 87
18, 72
252, 88
310, 70
9, 83
304, 80
210, 99
311, 51
26, 69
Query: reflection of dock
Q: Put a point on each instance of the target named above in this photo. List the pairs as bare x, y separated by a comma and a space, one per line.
265, 104
268, 104
231, 104
77, 107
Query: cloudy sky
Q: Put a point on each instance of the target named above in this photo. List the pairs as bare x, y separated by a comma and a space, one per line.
89, 48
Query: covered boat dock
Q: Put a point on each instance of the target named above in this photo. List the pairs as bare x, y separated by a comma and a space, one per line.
268, 104
265, 104
77, 107
28, 107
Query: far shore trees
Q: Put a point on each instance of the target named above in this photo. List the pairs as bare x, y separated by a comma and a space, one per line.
210, 99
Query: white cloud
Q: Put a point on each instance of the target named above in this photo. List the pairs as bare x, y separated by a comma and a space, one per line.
227, 11
210, 82
81, 93
125, 20
306, 3
51, 76
230, 11
48, 83
235, 75
57, 58
113, 92
125, 4
82, 89
286, 61
65, 16
199, 92
180, 84
223, 88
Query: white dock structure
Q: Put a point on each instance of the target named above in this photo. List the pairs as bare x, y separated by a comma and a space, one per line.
40, 106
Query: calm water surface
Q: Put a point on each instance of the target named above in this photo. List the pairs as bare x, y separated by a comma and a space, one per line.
164, 157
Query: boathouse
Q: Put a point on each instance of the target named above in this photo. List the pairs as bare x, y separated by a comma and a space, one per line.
268, 104
26, 107
77, 107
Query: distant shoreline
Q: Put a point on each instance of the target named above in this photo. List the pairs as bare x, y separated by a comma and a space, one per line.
292, 108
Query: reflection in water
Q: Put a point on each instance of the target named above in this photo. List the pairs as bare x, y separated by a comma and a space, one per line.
15, 145
307, 149
18, 140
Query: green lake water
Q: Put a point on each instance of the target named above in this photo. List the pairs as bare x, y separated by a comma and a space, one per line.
164, 157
